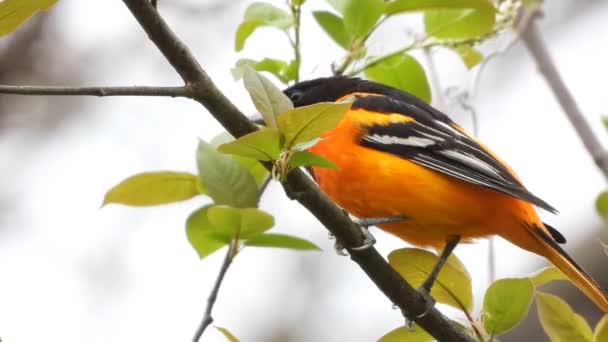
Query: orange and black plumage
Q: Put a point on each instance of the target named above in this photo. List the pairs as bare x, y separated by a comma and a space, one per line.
398, 156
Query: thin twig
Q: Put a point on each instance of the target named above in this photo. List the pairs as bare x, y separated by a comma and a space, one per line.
296, 13
182, 91
207, 318
535, 44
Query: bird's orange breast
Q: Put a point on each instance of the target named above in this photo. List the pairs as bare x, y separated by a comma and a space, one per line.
370, 184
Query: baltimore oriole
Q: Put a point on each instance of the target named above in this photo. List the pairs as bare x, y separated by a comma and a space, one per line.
397, 156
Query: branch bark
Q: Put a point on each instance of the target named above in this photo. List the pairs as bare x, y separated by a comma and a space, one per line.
532, 39
180, 91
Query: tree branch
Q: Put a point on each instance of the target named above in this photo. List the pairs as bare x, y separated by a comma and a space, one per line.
298, 186
181, 91
207, 318
532, 39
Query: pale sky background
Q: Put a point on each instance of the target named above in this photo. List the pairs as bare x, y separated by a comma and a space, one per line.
70, 271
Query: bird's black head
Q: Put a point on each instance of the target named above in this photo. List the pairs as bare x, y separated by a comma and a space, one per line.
326, 89
330, 89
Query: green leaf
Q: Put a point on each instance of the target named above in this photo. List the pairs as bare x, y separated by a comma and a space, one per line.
601, 330
202, 235
601, 204
15, 12
241, 222
255, 168
267, 98
402, 72
506, 303
333, 26
281, 241
453, 284
461, 23
282, 70
546, 275
402, 334
469, 55
153, 188
304, 158
229, 336
260, 14
338, 5
361, 15
558, 320
400, 6
306, 123
227, 181
264, 144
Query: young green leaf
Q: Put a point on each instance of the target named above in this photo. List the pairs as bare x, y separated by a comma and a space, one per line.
264, 144
361, 15
306, 123
470, 57
404, 6
281, 241
402, 72
202, 235
227, 181
333, 26
153, 188
453, 284
239, 222
260, 14
506, 303
559, 321
15, 12
227, 334
401, 334
338, 5
601, 330
601, 204
546, 275
276, 67
254, 222
461, 23
304, 158
267, 98
254, 167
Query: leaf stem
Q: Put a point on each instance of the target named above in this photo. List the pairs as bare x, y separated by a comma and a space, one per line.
207, 318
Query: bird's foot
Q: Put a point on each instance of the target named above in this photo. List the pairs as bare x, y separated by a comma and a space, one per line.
429, 304
368, 242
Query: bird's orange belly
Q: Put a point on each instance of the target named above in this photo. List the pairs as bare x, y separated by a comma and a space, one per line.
371, 184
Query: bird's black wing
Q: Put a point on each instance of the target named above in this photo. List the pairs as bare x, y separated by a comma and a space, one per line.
432, 140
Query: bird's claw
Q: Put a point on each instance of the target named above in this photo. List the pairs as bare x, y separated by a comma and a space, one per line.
429, 304
368, 242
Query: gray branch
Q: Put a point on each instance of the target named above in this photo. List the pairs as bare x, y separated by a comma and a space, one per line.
532, 39
181, 91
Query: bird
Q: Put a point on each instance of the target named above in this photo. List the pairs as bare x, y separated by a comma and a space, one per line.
408, 167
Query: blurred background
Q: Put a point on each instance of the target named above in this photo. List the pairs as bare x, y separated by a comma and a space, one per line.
72, 271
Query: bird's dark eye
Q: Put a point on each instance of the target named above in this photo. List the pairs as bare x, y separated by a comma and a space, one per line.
295, 96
